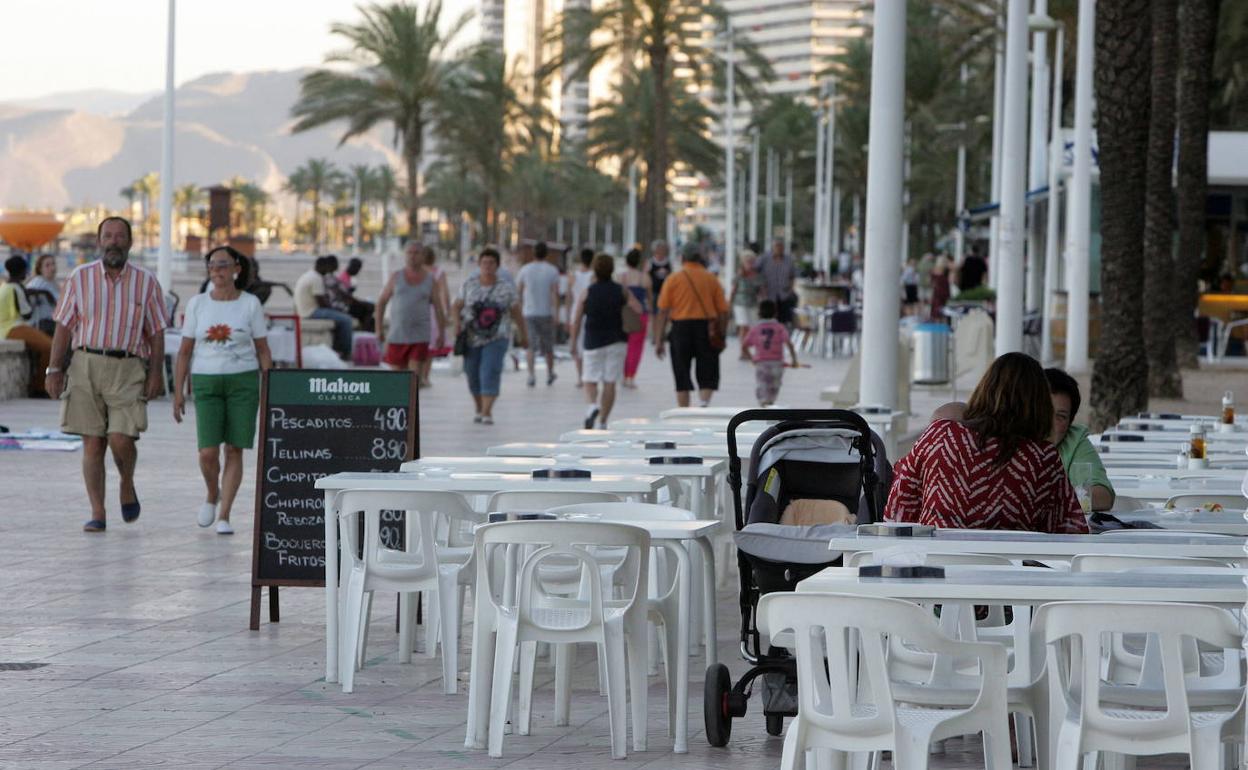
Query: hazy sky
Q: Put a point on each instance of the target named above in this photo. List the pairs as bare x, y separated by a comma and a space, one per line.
52, 46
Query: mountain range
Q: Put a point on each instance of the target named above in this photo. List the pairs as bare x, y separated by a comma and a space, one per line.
83, 148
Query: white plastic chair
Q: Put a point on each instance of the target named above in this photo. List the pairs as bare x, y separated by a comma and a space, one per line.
835, 715
662, 601
375, 567
525, 612
1095, 719
543, 499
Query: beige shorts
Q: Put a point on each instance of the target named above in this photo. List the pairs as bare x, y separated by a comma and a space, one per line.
104, 395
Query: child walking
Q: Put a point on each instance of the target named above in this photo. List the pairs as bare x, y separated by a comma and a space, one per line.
764, 345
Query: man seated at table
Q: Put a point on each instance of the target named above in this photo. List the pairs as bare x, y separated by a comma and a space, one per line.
995, 467
1071, 438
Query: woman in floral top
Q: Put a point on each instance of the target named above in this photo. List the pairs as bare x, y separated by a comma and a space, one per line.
484, 312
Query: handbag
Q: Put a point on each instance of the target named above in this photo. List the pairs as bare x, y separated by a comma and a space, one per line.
714, 330
630, 319
461, 344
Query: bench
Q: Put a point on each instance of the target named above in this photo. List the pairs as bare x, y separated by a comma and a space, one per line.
317, 331
14, 369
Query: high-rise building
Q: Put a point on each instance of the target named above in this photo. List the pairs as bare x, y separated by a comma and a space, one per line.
798, 37
490, 16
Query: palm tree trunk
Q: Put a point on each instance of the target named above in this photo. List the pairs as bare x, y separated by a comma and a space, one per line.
1164, 380
316, 219
1120, 374
1197, 33
652, 218
411, 156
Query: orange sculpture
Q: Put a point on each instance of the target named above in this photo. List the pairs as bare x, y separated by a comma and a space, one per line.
29, 230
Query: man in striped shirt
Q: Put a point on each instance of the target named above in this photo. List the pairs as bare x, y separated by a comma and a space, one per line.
113, 313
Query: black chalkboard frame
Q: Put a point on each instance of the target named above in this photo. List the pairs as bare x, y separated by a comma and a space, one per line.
258, 583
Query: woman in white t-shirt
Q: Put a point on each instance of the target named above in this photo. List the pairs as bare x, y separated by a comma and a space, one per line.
224, 347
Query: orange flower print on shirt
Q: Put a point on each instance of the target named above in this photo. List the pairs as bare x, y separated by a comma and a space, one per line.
219, 333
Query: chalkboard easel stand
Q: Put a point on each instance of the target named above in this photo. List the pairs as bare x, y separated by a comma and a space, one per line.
274, 613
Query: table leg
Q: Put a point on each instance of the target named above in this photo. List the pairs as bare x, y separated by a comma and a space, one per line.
708, 603
331, 587
481, 674
680, 735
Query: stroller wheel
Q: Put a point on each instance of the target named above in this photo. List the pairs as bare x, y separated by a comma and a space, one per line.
715, 704
775, 724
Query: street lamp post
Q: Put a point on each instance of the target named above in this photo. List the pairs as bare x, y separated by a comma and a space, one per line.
998, 102
881, 289
1009, 332
753, 187
1036, 167
730, 248
1079, 198
164, 264
821, 255
1051, 235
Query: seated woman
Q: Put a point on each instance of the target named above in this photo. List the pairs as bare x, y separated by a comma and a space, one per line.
1071, 439
994, 469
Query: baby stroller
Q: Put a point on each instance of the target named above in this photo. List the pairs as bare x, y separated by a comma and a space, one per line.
826, 461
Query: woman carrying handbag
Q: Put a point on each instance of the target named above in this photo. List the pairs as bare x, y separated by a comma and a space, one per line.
695, 305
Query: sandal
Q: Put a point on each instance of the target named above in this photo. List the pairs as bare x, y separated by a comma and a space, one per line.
94, 525
130, 511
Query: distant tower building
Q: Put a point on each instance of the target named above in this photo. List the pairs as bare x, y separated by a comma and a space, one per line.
798, 39
491, 16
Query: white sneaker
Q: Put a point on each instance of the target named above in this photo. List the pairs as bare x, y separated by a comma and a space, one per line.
224, 528
207, 514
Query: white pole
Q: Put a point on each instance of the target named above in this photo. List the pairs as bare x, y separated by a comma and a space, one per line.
857, 214
769, 200
559, 229
753, 186
1009, 335
607, 235
959, 193
742, 202
881, 290
1079, 198
1036, 167
905, 199
630, 225
830, 229
355, 222
820, 250
998, 102
593, 229
164, 264
465, 237
730, 170
576, 233
788, 202
836, 226
1055, 166
671, 230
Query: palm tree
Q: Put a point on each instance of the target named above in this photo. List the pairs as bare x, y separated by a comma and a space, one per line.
186, 200
144, 189
130, 193
1159, 334
484, 120
652, 39
317, 176
384, 189
1120, 373
1197, 31
249, 201
297, 185
402, 66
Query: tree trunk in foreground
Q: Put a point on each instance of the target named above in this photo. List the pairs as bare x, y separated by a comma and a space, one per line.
1197, 28
1164, 380
1120, 373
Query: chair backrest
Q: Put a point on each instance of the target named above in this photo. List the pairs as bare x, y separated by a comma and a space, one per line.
824, 630
1201, 499
628, 511
1095, 562
513, 584
1090, 626
422, 511
544, 499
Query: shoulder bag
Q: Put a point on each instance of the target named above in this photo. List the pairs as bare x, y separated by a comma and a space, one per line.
714, 330
630, 319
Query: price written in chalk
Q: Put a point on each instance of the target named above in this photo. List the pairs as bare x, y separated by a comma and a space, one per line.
389, 449
393, 418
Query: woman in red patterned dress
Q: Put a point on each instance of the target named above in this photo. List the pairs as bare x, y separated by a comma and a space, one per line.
995, 469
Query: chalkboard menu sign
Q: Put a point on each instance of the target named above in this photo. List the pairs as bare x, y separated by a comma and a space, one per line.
314, 423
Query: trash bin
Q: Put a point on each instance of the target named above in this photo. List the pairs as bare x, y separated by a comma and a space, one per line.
931, 354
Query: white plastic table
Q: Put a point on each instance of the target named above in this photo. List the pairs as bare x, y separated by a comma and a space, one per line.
1160, 491
636, 487
697, 480
745, 438
1018, 585
1038, 545
1194, 476
1228, 522
723, 413
672, 535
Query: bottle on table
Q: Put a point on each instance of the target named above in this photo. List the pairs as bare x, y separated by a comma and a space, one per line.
1228, 410
1196, 441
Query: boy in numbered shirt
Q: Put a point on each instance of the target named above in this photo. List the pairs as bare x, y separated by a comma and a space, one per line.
764, 345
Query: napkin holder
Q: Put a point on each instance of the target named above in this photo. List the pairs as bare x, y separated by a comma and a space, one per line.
495, 518
900, 571
660, 445
675, 460
896, 530
561, 473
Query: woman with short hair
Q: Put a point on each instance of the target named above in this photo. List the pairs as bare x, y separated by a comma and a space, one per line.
599, 310
994, 469
224, 346
484, 313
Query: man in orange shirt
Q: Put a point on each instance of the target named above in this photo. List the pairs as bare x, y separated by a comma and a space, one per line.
691, 300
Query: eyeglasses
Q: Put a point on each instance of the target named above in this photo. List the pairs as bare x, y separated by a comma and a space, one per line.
220, 265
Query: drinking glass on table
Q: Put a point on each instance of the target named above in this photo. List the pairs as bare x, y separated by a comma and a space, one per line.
1081, 475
